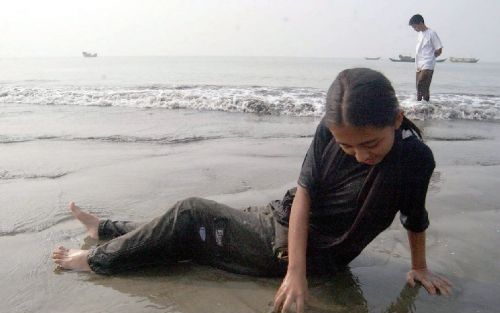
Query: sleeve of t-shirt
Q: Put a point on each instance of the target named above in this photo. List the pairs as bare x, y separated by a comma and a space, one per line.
436, 42
413, 214
311, 166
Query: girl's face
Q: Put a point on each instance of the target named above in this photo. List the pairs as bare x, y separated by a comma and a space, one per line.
368, 144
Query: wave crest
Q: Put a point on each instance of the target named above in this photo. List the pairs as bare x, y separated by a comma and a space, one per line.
244, 99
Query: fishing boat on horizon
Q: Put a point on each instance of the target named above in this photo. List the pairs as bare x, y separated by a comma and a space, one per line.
407, 58
463, 60
372, 58
89, 54
403, 58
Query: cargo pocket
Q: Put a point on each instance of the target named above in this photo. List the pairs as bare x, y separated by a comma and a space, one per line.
221, 248
281, 210
280, 245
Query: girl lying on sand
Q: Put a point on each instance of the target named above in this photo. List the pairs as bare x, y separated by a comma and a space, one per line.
366, 163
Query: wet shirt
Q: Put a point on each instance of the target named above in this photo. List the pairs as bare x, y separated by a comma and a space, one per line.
334, 189
334, 181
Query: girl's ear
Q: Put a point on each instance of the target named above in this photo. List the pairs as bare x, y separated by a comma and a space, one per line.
399, 119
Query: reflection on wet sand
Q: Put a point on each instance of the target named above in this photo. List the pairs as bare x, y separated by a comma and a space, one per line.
187, 287
342, 292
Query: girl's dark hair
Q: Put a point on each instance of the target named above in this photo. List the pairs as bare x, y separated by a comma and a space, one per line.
363, 97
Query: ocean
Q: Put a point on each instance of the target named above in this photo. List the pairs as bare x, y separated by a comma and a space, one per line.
277, 86
127, 137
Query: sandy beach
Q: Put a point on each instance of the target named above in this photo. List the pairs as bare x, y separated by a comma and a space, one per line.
118, 163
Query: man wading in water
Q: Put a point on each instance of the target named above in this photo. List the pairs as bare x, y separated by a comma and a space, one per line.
429, 47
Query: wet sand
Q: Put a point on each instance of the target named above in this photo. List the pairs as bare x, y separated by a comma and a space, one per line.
138, 180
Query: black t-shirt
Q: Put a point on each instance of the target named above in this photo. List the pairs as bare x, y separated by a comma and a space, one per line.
334, 181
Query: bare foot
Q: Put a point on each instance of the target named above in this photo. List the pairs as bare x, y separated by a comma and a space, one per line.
90, 221
71, 259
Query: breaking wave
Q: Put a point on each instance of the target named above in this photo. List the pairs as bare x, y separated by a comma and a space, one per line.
244, 99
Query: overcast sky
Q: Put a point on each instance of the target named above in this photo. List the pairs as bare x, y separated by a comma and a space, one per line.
303, 28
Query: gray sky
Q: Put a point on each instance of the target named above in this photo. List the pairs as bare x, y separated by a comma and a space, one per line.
313, 28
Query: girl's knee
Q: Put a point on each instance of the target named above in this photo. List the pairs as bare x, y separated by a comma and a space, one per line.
191, 202
194, 204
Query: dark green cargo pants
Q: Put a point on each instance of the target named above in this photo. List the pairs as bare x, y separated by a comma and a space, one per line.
241, 241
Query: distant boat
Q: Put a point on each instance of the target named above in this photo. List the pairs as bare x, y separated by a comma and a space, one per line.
442, 60
372, 59
463, 60
89, 55
403, 58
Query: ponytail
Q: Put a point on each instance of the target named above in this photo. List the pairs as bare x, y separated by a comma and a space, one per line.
408, 124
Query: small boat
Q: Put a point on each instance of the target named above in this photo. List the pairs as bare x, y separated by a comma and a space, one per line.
372, 59
463, 60
403, 58
89, 55
442, 60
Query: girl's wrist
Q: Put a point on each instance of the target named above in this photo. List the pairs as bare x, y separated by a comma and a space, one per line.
296, 269
419, 267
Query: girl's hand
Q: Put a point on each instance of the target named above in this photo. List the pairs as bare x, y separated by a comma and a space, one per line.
431, 282
293, 289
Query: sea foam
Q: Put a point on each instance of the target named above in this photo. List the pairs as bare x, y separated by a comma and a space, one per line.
244, 99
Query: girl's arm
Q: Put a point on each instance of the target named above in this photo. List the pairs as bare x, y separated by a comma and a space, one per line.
433, 283
294, 286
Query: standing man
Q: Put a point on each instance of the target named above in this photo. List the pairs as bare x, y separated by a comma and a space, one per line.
428, 49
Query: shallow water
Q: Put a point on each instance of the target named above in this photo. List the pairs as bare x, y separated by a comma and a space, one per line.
132, 163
